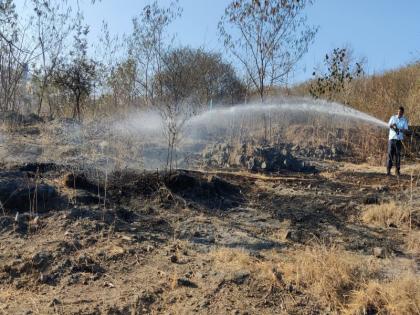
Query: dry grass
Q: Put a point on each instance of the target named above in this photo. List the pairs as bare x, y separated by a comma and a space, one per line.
349, 283
387, 214
239, 260
397, 297
329, 274
412, 242
338, 280
231, 259
380, 94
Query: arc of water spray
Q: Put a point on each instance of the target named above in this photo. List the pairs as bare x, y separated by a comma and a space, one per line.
293, 106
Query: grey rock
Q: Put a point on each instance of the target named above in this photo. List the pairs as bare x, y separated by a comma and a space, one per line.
42, 260
186, 283
371, 199
379, 252
238, 277
296, 148
54, 302
251, 164
174, 259
294, 236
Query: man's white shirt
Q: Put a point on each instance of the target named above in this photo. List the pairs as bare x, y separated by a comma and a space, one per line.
401, 123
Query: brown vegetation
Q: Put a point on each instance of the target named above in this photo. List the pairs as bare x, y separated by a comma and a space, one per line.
85, 229
380, 94
397, 296
348, 282
339, 280
387, 214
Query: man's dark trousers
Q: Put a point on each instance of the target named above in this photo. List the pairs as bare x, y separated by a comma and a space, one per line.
394, 151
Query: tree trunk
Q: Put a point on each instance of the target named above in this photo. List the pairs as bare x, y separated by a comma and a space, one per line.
76, 110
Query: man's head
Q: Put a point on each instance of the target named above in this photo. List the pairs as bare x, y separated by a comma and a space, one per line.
400, 111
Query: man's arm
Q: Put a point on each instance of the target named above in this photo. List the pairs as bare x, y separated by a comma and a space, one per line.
392, 124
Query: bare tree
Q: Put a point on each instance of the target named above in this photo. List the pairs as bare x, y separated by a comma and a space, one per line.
111, 70
15, 55
77, 76
52, 27
121, 81
148, 43
268, 37
172, 103
190, 78
174, 116
107, 55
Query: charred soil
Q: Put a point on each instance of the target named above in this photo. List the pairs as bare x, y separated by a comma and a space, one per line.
189, 241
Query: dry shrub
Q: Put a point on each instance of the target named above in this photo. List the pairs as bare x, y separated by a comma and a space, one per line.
238, 260
231, 259
329, 274
380, 94
412, 242
397, 297
387, 214
339, 280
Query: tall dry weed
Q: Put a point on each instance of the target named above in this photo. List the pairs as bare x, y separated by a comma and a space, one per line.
387, 214
400, 296
329, 274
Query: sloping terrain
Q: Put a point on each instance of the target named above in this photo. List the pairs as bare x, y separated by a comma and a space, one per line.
261, 229
208, 243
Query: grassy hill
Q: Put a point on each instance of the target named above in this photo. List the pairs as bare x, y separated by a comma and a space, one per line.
380, 94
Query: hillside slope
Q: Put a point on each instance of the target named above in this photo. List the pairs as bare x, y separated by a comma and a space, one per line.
380, 94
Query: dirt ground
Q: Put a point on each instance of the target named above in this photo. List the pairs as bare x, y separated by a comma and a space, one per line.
199, 242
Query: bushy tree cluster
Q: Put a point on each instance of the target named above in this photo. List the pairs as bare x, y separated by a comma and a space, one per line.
340, 71
48, 67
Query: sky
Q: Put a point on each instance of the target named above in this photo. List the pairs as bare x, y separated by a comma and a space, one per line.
384, 32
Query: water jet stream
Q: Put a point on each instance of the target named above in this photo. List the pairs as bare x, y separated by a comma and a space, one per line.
293, 106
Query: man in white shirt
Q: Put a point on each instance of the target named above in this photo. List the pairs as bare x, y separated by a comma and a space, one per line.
398, 125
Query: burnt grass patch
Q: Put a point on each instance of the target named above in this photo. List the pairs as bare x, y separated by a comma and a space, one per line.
134, 243
20, 192
170, 188
81, 181
127, 183
210, 191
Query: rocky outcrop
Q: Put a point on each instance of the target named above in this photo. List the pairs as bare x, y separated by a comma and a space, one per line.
261, 158
320, 152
